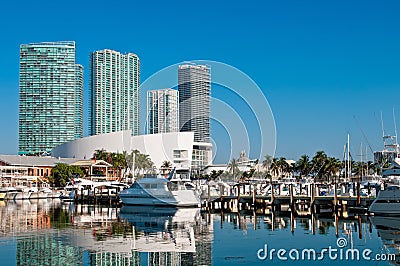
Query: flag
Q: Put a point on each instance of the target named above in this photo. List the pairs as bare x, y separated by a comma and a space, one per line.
94, 157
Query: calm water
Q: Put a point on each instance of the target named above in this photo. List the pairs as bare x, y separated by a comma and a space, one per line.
49, 232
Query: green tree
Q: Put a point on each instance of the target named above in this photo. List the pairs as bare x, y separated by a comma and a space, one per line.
318, 164
233, 167
267, 162
303, 165
283, 166
62, 173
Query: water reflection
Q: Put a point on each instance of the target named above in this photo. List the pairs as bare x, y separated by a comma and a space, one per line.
49, 232
389, 231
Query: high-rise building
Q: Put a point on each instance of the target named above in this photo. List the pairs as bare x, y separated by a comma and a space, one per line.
50, 96
162, 111
114, 99
194, 86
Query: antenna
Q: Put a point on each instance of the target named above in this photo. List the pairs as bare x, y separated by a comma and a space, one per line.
395, 132
383, 129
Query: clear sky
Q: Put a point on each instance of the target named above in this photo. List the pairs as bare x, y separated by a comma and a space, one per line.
327, 68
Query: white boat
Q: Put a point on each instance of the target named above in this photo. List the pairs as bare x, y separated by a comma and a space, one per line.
159, 191
10, 193
387, 202
23, 193
37, 193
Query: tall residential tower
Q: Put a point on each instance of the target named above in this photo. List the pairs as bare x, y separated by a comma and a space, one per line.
50, 96
194, 86
162, 111
114, 99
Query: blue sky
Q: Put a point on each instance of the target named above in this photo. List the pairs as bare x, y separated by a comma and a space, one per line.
327, 68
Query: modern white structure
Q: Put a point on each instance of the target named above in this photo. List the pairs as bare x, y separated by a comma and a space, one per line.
114, 99
194, 86
162, 111
175, 147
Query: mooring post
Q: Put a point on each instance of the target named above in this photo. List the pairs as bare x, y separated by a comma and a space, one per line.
335, 200
291, 195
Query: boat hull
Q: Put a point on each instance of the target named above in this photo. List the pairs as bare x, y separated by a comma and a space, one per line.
387, 203
183, 198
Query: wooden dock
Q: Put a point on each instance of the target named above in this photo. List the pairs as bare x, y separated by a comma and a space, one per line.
299, 203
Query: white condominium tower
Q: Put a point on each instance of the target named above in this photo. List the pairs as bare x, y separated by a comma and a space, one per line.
114, 99
194, 86
162, 111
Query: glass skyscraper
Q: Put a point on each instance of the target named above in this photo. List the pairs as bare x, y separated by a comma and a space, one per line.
194, 86
114, 99
50, 96
162, 111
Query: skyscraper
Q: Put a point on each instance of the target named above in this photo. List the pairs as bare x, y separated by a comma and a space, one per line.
50, 96
114, 99
194, 86
162, 111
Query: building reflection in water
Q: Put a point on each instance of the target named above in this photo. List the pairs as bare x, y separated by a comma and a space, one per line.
49, 232
54, 233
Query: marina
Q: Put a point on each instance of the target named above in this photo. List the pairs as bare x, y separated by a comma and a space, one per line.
87, 234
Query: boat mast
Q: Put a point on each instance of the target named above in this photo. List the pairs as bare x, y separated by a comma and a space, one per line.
395, 135
348, 157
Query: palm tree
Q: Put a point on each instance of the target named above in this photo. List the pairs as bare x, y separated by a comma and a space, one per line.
267, 162
101, 155
303, 165
166, 166
283, 166
332, 167
233, 167
274, 167
318, 164
118, 162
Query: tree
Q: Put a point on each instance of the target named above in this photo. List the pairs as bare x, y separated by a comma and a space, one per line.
274, 167
318, 164
62, 173
332, 167
267, 162
303, 165
233, 167
283, 166
118, 162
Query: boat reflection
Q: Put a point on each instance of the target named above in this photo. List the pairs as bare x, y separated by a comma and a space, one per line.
162, 229
388, 228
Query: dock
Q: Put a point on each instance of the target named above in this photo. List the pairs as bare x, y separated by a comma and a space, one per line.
309, 202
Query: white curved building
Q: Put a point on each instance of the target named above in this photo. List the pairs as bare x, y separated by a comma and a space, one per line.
176, 147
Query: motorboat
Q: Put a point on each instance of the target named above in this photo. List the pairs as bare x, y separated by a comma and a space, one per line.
23, 193
159, 191
10, 192
387, 202
37, 193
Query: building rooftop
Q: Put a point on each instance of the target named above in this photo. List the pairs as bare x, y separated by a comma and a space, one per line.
21, 160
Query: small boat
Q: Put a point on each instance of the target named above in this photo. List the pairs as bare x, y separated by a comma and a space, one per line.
387, 202
37, 193
10, 193
23, 193
159, 191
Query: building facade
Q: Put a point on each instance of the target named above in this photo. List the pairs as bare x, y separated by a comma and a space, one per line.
162, 111
194, 86
50, 96
114, 92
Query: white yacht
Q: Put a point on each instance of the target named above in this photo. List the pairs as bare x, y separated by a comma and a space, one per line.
387, 202
159, 191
